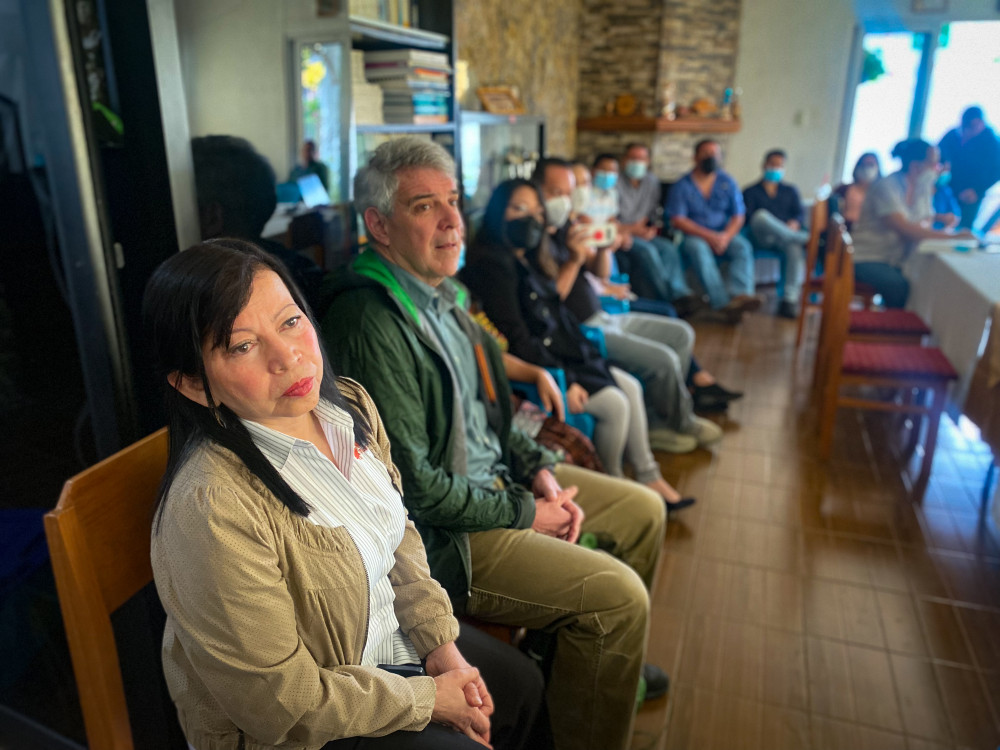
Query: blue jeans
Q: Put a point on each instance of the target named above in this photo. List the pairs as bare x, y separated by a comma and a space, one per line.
770, 233
887, 280
706, 264
659, 264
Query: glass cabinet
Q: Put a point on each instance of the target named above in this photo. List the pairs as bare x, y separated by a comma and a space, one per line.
495, 148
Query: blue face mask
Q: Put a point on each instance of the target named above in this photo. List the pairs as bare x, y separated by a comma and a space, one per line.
605, 180
635, 170
943, 179
773, 175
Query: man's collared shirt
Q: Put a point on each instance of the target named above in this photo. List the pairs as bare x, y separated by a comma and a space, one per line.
482, 445
358, 496
785, 206
638, 202
723, 203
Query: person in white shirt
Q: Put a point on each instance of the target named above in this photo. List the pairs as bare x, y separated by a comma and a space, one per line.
896, 215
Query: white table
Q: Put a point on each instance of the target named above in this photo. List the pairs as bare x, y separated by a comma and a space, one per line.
958, 294
954, 292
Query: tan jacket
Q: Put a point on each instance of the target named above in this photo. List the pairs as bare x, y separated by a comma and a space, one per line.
267, 613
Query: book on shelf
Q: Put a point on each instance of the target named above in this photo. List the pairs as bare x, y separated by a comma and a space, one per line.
404, 85
410, 56
366, 97
365, 9
437, 98
416, 119
400, 70
388, 112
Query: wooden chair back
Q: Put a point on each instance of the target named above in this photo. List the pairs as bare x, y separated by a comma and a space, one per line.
819, 216
838, 291
99, 538
833, 281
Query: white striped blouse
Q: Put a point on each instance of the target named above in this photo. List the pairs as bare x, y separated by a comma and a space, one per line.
358, 496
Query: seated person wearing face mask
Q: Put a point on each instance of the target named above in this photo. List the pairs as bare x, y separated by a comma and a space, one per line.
510, 270
654, 262
600, 207
851, 195
895, 217
774, 213
655, 349
706, 204
597, 200
947, 209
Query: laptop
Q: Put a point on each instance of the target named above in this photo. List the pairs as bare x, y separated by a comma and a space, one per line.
313, 192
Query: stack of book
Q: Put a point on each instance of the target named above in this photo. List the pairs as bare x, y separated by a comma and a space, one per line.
415, 85
367, 97
399, 12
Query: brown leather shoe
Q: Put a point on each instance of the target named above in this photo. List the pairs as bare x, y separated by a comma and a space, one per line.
746, 302
732, 312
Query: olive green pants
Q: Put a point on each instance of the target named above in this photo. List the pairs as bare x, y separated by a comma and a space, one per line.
597, 605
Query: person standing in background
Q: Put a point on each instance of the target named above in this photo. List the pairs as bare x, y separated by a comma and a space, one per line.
972, 153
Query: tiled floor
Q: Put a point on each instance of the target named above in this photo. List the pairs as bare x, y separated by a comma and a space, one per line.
807, 606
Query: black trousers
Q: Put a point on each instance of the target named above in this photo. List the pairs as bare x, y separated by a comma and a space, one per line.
519, 722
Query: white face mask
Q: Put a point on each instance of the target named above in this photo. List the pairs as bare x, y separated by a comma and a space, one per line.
868, 174
558, 209
581, 198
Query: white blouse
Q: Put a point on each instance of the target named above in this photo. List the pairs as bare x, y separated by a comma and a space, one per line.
359, 496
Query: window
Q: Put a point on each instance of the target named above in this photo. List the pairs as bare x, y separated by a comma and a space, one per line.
883, 101
320, 76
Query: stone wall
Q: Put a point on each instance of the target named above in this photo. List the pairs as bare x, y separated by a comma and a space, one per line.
532, 45
619, 52
690, 43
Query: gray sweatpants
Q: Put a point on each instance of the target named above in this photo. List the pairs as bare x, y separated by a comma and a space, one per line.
657, 350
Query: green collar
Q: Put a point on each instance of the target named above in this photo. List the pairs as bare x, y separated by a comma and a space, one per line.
370, 265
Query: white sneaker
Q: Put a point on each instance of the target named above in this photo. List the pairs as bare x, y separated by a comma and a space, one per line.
705, 431
669, 441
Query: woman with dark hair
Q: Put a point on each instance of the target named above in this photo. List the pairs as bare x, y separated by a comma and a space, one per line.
852, 194
895, 217
512, 274
299, 603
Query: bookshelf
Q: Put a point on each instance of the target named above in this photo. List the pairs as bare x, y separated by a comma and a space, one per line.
434, 34
372, 34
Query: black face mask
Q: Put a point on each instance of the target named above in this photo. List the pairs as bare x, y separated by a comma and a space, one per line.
708, 165
525, 232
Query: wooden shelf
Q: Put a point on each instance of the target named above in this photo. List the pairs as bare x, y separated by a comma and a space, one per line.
370, 34
635, 124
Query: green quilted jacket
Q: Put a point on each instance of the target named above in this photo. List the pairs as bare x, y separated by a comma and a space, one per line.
374, 334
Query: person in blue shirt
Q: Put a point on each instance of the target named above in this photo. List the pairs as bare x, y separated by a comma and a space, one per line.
707, 206
947, 210
972, 153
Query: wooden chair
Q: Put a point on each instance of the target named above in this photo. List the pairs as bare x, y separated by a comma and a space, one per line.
98, 538
894, 366
812, 287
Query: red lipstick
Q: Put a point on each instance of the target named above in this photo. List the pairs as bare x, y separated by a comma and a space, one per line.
301, 388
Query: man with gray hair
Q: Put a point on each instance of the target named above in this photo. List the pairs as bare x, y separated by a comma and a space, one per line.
498, 514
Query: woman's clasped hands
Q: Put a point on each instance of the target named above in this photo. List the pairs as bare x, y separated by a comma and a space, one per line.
462, 701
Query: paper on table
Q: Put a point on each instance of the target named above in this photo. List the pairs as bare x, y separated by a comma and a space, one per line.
957, 245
